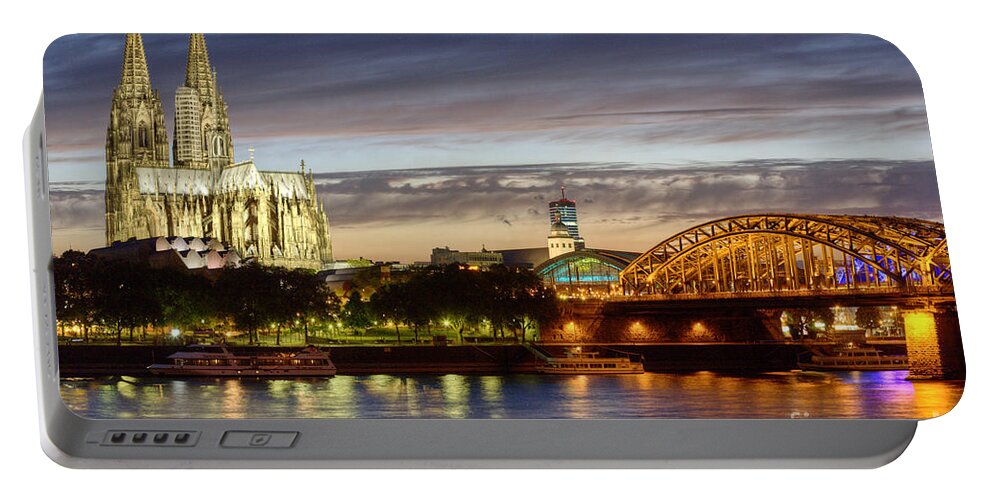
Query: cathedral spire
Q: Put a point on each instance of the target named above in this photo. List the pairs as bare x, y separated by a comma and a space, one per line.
134, 69
199, 74
202, 137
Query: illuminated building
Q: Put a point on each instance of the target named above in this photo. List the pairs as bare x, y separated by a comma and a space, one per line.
585, 272
559, 240
483, 258
564, 211
172, 253
273, 217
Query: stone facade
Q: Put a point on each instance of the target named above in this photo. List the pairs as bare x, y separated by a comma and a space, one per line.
598, 321
273, 217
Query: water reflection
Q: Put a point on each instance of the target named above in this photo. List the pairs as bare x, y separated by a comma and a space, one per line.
661, 395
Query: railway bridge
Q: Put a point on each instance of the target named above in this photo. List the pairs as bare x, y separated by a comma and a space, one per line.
737, 274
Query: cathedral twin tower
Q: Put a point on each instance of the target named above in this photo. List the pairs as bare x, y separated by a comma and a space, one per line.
273, 217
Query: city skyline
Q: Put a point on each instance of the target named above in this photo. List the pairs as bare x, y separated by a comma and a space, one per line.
684, 129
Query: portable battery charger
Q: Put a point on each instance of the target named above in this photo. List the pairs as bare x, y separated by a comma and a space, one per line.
693, 251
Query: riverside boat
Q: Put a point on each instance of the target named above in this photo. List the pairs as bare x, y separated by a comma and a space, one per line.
576, 362
853, 358
217, 361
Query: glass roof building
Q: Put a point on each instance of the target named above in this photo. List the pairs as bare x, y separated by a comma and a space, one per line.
589, 272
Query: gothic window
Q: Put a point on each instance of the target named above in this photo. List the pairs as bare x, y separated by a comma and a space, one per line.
142, 136
218, 146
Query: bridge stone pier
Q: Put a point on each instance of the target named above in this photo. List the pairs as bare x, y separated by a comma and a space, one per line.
934, 342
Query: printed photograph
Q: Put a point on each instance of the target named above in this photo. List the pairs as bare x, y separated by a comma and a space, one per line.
496, 226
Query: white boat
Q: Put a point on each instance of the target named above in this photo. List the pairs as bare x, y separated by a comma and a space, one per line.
576, 362
854, 358
217, 361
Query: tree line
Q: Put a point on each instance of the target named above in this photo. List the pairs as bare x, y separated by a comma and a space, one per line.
504, 300
124, 297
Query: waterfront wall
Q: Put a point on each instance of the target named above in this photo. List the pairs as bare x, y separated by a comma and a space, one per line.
133, 360
98, 360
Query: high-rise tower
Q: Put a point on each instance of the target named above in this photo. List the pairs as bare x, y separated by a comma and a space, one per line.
564, 211
136, 138
202, 137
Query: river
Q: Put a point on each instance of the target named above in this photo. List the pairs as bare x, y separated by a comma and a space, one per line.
651, 395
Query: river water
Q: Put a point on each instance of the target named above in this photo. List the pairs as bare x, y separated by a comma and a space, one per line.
652, 395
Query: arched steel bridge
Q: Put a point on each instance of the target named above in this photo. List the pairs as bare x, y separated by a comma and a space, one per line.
790, 252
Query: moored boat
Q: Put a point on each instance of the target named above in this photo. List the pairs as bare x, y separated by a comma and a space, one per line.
576, 361
217, 361
854, 358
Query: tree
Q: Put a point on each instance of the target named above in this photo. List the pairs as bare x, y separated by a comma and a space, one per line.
74, 290
497, 304
248, 296
868, 318
461, 295
304, 297
356, 312
387, 304
299, 293
536, 307
532, 303
185, 299
516, 299
367, 280
422, 301
125, 297
801, 320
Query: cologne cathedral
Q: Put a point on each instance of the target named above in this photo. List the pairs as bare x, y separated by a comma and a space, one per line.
275, 218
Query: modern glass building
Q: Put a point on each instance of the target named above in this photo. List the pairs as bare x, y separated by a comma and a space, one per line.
589, 272
564, 211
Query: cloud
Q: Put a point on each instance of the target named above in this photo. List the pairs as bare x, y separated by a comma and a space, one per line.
437, 100
597, 113
76, 208
402, 214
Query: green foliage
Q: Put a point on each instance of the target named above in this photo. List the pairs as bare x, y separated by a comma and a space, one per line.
356, 314
367, 280
185, 299
801, 320
74, 289
868, 318
463, 299
122, 296
126, 296
248, 296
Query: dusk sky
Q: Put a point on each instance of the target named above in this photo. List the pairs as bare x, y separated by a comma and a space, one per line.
461, 140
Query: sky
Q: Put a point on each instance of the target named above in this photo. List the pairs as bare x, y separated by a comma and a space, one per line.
419, 141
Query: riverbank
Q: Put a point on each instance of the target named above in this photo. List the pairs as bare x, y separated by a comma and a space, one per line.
98, 360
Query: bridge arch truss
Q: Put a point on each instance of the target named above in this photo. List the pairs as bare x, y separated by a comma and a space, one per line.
789, 252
